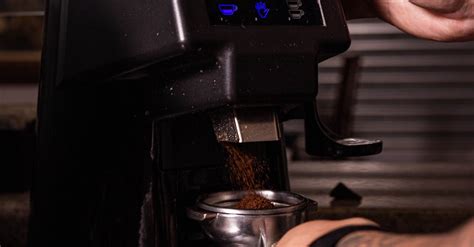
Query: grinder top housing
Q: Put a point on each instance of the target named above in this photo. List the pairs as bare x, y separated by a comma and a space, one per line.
249, 64
202, 53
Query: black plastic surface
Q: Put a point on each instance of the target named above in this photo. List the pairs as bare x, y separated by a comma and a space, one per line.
230, 65
320, 141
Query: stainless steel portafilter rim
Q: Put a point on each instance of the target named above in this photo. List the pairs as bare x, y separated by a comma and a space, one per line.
222, 202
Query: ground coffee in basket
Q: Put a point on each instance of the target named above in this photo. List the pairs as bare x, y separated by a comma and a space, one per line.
247, 173
254, 201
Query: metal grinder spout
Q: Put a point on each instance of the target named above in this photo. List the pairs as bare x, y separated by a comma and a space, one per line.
247, 124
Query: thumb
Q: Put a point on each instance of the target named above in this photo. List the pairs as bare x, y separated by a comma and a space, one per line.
441, 6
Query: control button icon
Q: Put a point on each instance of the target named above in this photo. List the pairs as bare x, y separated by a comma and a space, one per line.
262, 9
227, 9
295, 9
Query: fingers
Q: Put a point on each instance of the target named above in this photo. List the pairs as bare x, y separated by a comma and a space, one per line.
418, 18
441, 6
450, 20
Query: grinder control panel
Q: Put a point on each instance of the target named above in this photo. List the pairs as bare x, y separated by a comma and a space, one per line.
265, 12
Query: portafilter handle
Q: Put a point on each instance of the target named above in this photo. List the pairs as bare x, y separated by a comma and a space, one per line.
320, 141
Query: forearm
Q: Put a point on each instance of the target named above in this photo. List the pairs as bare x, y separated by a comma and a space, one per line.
380, 239
463, 237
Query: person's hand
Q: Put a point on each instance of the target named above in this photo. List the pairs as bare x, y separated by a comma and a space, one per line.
442, 20
305, 234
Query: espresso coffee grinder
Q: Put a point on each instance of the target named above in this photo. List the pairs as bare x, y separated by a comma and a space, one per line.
136, 97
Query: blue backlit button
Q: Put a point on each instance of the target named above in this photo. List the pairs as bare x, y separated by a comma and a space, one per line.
262, 9
228, 9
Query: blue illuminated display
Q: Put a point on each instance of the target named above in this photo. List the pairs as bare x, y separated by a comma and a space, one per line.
262, 10
228, 9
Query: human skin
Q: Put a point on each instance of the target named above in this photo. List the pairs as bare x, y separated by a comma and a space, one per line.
305, 234
441, 20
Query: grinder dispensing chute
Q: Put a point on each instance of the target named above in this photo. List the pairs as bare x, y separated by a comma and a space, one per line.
136, 98
246, 125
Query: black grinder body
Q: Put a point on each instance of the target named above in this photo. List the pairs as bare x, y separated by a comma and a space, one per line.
125, 138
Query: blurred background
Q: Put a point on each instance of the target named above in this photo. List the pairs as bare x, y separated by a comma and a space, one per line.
415, 95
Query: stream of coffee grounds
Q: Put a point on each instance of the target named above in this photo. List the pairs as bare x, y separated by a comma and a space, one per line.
247, 173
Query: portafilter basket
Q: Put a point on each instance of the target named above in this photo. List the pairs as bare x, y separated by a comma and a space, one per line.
228, 226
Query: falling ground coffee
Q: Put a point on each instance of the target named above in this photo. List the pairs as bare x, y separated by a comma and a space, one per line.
247, 173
